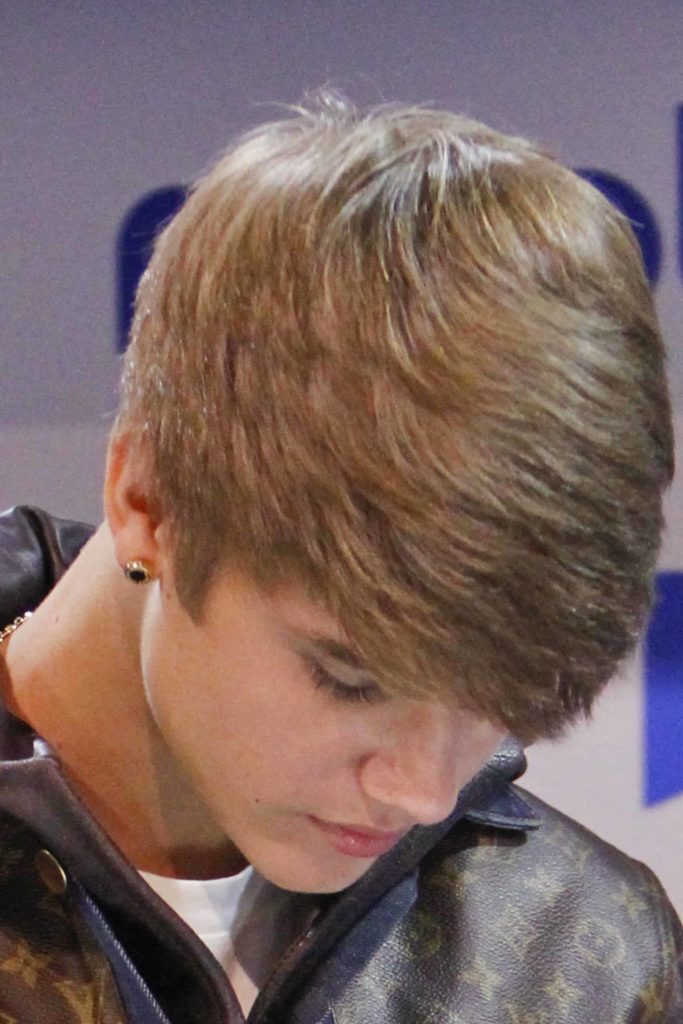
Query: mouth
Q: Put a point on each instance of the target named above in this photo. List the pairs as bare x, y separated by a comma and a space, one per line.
357, 842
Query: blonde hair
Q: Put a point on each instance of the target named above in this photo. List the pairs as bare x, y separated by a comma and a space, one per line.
414, 364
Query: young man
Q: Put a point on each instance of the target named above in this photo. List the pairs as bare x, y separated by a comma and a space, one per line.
384, 491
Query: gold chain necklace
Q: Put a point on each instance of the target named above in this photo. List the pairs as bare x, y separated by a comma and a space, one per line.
8, 630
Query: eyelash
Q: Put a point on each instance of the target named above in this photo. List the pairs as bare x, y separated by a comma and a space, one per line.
347, 692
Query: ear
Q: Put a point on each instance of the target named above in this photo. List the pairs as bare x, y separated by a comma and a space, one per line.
135, 529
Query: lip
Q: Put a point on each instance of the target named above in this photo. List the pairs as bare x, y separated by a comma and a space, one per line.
357, 842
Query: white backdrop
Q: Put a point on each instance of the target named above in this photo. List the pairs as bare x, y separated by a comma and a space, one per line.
102, 102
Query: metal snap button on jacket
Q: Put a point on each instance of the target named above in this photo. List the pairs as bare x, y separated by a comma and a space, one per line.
51, 872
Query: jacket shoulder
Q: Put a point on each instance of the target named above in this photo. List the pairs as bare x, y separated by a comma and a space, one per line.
567, 846
35, 550
559, 920
504, 925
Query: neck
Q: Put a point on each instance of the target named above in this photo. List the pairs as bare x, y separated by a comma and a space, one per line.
75, 676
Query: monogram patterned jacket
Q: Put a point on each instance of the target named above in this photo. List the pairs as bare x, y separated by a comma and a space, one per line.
506, 913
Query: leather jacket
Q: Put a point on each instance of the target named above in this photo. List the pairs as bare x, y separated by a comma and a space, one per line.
505, 913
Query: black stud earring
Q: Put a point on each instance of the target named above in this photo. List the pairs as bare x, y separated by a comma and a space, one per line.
137, 572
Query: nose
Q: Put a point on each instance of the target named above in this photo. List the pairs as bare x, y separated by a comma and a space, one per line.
414, 769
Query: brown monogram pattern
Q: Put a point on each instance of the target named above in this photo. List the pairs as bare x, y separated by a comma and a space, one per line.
51, 970
551, 928
548, 928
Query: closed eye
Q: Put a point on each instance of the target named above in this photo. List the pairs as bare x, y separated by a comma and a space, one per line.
365, 692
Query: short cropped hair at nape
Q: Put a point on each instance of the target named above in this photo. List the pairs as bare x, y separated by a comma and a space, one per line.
413, 364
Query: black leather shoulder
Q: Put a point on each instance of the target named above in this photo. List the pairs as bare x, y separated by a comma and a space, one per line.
35, 550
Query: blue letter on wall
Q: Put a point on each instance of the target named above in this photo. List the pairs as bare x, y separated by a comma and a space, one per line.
664, 692
146, 218
133, 247
634, 206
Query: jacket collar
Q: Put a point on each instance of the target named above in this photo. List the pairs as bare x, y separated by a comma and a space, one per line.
488, 799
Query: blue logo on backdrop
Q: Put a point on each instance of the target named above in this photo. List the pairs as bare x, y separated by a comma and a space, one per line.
136, 236
147, 217
634, 205
144, 220
664, 692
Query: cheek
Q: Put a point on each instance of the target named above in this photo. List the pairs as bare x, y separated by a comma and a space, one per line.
241, 715
483, 739
228, 726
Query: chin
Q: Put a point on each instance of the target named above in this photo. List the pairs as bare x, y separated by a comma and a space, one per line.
312, 877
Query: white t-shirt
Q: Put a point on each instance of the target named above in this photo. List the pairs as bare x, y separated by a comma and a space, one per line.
245, 921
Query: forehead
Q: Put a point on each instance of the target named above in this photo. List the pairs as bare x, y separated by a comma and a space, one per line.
286, 609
